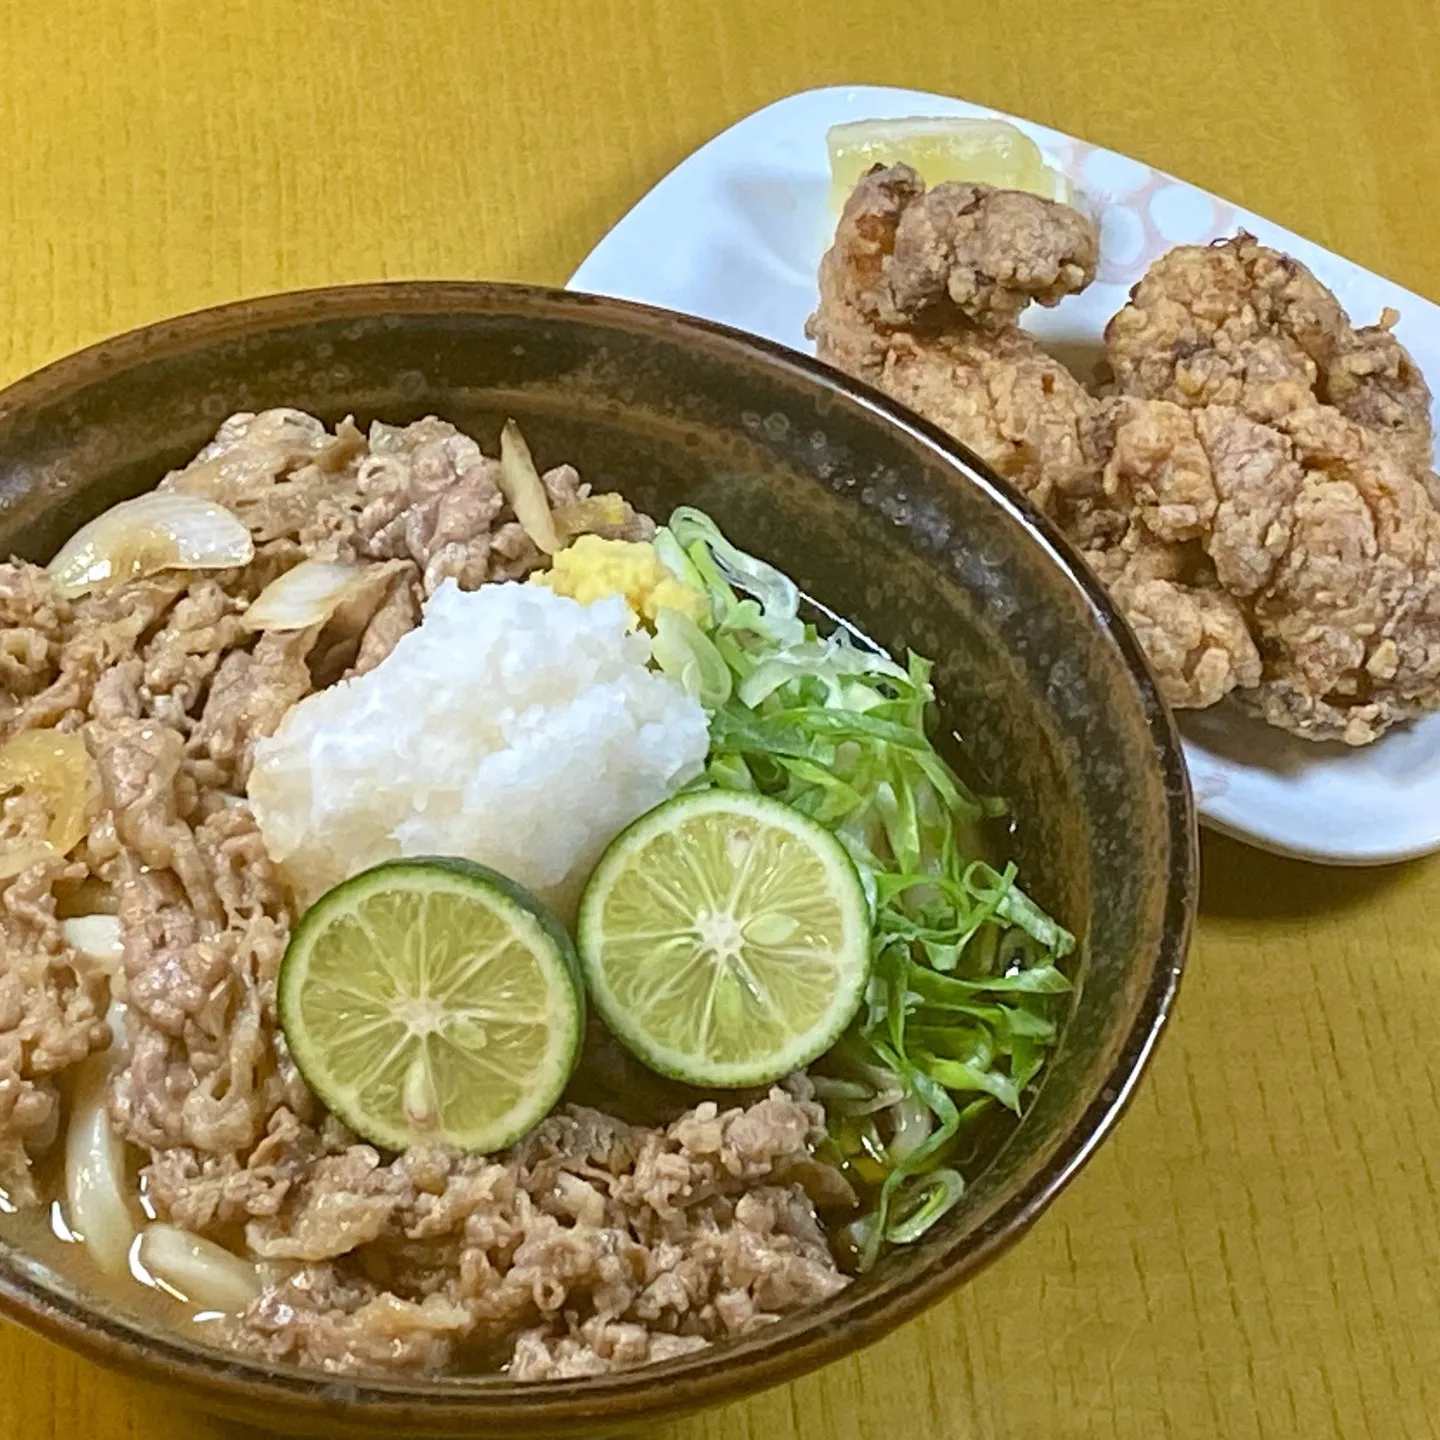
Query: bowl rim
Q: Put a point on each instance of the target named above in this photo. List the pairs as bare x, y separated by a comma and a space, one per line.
241, 1385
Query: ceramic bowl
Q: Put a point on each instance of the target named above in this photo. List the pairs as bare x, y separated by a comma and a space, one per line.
880, 518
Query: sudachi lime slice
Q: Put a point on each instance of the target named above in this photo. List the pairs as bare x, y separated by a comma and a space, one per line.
432, 1000
725, 939
982, 151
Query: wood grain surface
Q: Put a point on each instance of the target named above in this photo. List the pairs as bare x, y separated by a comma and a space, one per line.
1256, 1252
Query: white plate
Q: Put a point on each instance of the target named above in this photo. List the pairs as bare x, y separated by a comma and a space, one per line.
735, 234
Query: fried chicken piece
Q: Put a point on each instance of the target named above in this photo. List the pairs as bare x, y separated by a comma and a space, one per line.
1146, 537
908, 259
1350, 619
1236, 323
1296, 563
917, 295
1255, 497
1019, 410
1319, 445
1194, 635
984, 254
857, 317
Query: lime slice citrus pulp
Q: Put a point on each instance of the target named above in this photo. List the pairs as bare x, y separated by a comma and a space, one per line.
432, 1000
725, 939
982, 151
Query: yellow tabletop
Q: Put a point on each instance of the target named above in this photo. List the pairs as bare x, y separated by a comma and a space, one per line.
1257, 1251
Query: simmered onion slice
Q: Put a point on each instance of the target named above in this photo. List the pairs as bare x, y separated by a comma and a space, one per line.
54, 772
163, 530
521, 485
316, 591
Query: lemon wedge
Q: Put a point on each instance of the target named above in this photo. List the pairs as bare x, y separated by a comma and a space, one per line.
984, 152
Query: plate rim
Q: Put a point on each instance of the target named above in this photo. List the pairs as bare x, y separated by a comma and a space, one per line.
590, 273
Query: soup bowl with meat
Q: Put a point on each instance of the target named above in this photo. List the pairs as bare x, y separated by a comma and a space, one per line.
559, 863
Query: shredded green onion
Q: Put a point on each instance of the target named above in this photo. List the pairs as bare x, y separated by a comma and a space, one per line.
963, 1004
688, 655
927, 1199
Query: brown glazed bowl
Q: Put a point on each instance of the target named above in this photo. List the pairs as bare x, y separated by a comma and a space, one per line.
879, 517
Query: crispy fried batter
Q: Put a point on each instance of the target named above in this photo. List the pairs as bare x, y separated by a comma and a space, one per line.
1350, 621
1236, 323
1022, 412
1256, 496
1145, 536
1296, 563
917, 295
857, 316
1194, 634
1375, 382
985, 254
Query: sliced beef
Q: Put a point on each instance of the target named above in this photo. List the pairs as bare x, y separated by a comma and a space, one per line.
592, 1245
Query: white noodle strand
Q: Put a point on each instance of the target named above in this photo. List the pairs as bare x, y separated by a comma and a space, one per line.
196, 1269
96, 1210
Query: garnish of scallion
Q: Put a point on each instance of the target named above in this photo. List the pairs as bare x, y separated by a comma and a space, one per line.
966, 989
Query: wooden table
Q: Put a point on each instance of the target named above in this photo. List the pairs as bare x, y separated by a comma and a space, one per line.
1257, 1251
